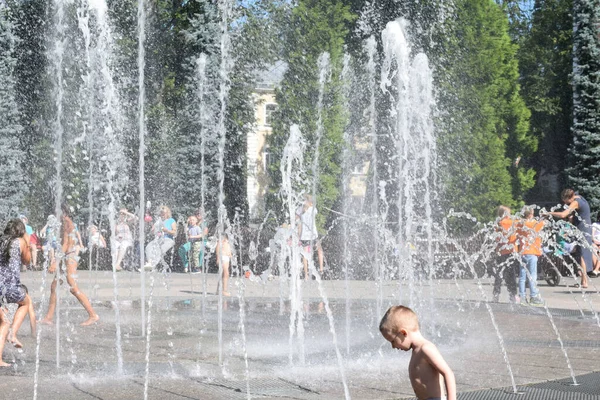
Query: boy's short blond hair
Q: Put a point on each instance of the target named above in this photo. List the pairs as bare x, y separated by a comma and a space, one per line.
399, 317
527, 211
503, 211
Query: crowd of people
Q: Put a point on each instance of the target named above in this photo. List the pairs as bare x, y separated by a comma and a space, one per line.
62, 245
523, 239
520, 242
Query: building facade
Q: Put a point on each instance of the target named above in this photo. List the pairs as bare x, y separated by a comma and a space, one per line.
259, 157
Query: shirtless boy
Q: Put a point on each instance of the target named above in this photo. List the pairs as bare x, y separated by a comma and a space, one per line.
427, 370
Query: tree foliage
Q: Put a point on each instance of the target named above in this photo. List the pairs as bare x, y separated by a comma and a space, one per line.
314, 27
492, 63
13, 187
486, 114
584, 162
545, 61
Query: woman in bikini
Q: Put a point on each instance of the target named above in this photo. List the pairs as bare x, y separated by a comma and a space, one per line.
14, 251
71, 244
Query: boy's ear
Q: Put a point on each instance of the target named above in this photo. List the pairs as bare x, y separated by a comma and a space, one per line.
403, 332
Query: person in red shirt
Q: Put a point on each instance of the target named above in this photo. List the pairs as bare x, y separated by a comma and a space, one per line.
529, 242
506, 260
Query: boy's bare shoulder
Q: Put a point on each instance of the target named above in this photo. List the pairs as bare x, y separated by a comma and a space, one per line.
428, 344
428, 348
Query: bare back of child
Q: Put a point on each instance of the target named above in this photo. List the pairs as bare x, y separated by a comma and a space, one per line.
430, 375
426, 380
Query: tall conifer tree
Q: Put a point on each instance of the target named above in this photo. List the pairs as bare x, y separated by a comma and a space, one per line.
585, 149
546, 62
485, 113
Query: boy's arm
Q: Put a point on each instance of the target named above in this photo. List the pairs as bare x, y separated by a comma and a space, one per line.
437, 361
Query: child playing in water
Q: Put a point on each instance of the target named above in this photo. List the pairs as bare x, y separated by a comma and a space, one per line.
195, 238
224, 255
400, 327
14, 251
71, 244
530, 246
49, 233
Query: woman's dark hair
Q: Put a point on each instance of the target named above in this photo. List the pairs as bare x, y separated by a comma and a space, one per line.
566, 194
66, 210
15, 228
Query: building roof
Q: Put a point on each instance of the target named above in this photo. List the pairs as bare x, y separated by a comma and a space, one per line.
271, 76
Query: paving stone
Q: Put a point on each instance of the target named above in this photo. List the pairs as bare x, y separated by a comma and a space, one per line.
183, 358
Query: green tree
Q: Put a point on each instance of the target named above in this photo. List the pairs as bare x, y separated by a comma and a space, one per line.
545, 61
31, 74
179, 120
314, 27
585, 149
13, 188
484, 112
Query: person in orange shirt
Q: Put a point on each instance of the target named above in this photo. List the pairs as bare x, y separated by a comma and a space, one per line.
530, 248
506, 261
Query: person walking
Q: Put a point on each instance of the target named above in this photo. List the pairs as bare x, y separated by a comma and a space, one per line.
309, 235
71, 245
14, 252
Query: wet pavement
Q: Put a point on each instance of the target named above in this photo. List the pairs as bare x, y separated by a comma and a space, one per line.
256, 359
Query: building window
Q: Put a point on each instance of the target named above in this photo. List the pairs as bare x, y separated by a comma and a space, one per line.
267, 158
269, 110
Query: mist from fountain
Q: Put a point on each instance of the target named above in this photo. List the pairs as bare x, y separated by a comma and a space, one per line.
409, 83
58, 95
346, 170
405, 77
292, 173
370, 48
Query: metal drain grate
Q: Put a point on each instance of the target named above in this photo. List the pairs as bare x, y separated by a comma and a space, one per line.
529, 393
588, 389
594, 344
589, 384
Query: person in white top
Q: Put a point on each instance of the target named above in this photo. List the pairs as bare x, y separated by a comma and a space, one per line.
309, 236
123, 236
